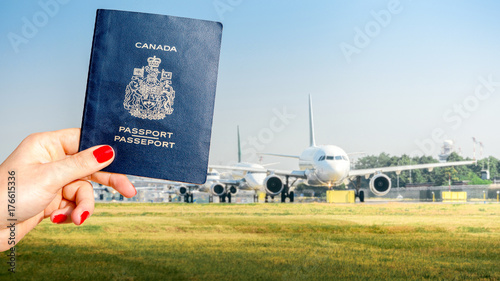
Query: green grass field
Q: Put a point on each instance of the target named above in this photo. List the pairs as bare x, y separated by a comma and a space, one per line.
394, 241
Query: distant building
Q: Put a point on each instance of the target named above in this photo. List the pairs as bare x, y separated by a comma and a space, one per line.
446, 150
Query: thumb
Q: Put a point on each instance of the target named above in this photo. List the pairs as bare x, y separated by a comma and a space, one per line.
78, 166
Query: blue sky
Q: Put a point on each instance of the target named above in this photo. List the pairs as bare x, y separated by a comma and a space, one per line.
420, 73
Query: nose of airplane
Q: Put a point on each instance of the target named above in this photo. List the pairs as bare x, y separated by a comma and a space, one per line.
333, 172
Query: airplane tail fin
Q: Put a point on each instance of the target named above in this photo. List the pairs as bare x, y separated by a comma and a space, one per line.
312, 141
239, 145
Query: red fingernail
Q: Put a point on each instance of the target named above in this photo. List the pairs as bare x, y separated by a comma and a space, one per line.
59, 218
103, 153
84, 216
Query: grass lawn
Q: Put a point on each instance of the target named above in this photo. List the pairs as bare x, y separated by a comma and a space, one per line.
393, 241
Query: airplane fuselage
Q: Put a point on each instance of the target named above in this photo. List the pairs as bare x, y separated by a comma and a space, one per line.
325, 165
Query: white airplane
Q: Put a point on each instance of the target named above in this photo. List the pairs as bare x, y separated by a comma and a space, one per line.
238, 179
328, 165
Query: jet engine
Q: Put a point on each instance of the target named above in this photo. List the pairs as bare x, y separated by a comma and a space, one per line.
182, 190
380, 184
273, 185
217, 189
233, 190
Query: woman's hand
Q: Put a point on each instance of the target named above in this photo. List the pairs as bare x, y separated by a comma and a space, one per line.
51, 180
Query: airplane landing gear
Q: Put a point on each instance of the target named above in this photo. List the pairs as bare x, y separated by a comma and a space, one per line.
188, 198
361, 196
359, 193
222, 198
286, 193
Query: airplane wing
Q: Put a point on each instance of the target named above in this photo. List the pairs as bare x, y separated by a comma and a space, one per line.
280, 155
398, 169
229, 181
295, 174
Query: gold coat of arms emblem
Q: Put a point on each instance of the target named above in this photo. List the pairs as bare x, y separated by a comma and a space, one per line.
148, 97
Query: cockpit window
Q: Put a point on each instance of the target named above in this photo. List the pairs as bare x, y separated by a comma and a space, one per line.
331, 157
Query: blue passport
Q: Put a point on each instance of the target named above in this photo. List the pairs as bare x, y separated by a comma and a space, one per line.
151, 93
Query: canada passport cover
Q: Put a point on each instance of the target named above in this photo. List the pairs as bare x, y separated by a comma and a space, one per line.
151, 92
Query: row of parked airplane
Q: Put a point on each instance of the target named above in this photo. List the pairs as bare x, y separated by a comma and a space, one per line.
319, 165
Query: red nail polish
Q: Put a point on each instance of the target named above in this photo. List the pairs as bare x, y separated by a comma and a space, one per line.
103, 153
84, 216
59, 218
